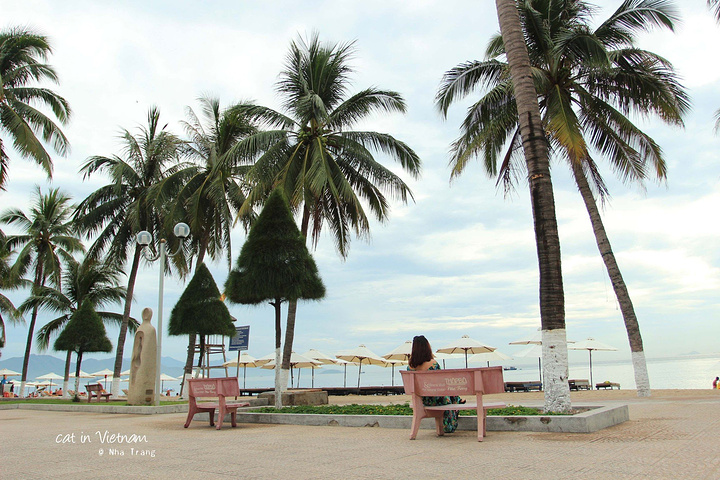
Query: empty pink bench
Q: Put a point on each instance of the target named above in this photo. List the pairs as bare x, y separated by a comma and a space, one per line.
438, 383
219, 388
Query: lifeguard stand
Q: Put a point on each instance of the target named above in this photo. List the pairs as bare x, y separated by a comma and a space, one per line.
214, 345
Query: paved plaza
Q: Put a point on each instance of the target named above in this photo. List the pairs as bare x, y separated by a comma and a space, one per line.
669, 436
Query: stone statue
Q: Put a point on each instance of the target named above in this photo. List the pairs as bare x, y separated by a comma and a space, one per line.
143, 363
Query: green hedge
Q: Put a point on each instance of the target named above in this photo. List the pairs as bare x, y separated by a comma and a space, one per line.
403, 409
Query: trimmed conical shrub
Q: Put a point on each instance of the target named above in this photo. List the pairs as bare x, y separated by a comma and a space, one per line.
200, 309
274, 262
84, 332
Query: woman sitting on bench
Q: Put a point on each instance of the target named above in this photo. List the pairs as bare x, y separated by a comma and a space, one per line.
421, 358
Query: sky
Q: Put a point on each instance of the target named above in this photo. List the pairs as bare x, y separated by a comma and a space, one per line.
458, 260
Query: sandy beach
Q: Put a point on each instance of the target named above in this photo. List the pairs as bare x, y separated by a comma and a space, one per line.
673, 434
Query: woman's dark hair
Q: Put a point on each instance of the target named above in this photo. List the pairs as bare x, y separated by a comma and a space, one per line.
421, 352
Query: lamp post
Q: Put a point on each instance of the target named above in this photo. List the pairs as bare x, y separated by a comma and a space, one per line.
144, 238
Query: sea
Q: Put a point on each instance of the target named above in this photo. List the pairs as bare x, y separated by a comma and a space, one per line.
684, 372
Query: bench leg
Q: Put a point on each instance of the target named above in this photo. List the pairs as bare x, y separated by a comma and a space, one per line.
189, 419
415, 426
212, 417
233, 417
439, 428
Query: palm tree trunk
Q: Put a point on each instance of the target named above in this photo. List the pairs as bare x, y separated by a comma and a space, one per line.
292, 311
642, 380
278, 339
120, 349
192, 338
77, 374
66, 380
39, 281
552, 297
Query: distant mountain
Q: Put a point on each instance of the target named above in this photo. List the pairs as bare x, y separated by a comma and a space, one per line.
42, 364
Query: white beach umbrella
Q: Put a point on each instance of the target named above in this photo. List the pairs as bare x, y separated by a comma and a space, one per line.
163, 378
50, 376
532, 350
126, 372
82, 375
534, 339
442, 356
8, 372
270, 357
320, 357
494, 356
296, 361
392, 363
244, 359
103, 373
360, 355
465, 345
591, 345
400, 353
344, 364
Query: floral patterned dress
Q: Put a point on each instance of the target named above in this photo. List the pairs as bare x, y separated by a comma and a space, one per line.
450, 417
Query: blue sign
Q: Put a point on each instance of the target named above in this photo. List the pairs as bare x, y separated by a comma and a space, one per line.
241, 339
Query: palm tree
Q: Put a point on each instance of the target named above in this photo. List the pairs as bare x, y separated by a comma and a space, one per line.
209, 189
552, 296
90, 280
327, 170
22, 56
588, 83
116, 212
715, 6
48, 240
7, 282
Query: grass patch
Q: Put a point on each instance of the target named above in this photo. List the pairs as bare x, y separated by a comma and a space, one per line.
400, 409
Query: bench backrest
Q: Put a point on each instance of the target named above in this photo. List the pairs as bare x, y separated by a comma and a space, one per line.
94, 387
213, 387
466, 381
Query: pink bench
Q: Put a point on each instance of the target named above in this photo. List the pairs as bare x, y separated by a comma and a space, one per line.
438, 383
219, 388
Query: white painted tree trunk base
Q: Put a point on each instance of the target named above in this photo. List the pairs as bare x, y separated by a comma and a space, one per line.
555, 371
278, 384
642, 380
21, 393
115, 389
66, 385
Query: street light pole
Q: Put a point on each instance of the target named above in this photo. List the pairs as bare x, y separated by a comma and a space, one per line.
144, 239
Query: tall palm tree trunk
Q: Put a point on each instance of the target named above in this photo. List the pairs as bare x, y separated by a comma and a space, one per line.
77, 374
192, 338
39, 282
125, 320
292, 313
279, 389
66, 379
642, 380
552, 298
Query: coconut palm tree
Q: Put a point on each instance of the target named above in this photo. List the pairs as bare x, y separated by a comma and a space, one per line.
328, 170
552, 297
209, 190
22, 57
90, 280
715, 6
589, 81
116, 212
7, 282
47, 240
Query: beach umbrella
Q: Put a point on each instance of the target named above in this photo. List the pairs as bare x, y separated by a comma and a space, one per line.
360, 355
320, 357
9, 373
392, 363
50, 376
400, 353
270, 357
534, 339
296, 361
591, 345
103, 373
465, 345
494, 356
441, 356
163, 378
344, 363
126, 372
244, 359
82, 375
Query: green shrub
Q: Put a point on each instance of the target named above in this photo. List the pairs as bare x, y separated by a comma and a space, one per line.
403, 409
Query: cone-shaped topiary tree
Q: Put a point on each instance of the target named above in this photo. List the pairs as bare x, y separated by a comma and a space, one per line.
275, 265
84, 332
200, 310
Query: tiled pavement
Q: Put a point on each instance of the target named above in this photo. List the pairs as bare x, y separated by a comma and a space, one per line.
666, 438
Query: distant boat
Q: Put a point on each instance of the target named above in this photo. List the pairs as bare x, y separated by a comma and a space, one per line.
509, 368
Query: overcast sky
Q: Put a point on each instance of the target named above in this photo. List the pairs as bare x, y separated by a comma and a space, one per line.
458, 260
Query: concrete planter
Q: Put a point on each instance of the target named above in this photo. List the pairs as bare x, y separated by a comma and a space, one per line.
593, 420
